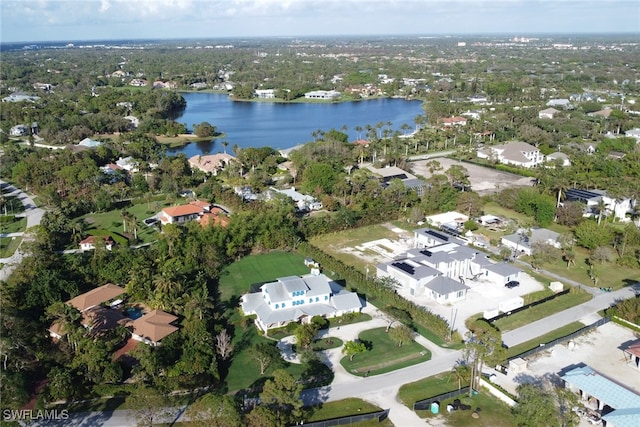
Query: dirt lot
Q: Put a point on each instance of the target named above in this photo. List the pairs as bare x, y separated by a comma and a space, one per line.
483, 180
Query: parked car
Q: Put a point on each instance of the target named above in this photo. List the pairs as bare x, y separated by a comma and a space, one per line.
512, 284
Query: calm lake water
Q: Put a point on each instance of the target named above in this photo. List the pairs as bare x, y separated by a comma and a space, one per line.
259, 124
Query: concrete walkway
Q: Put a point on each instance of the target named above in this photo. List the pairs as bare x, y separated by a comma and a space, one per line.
381, 390
34, 217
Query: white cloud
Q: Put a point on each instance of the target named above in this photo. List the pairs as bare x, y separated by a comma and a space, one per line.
104, 6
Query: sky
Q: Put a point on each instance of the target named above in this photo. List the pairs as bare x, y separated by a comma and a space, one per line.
64, 20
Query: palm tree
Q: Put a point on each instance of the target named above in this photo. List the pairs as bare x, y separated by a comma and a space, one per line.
199, 303
459, 373
602, 206
358, 130
225, 144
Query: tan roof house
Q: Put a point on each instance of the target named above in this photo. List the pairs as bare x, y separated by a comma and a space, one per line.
96, 296
153, 327
602, 113
94, 317
212, 163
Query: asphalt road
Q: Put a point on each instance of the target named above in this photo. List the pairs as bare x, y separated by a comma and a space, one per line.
34, 217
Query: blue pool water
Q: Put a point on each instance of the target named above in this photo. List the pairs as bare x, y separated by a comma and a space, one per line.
134, 313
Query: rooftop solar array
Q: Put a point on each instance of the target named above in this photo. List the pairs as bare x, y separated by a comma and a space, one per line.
438, 235
404, 267
577, 194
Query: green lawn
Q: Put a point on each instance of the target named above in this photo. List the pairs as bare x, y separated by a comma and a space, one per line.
543, 339
428, 387
563, 302
237, 278
345, 408
609, 274
8, 246
113, 224
384, 355
13, 225
492, 413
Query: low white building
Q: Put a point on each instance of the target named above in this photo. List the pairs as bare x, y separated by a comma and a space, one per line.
302, 201
265, 93
558, 158
522, 243
322, 94
298, 299
620, 208
547, 113
19, 130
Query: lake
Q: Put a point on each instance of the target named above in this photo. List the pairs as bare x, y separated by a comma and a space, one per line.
285, 125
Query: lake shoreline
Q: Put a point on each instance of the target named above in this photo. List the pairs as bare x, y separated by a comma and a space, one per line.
300, 100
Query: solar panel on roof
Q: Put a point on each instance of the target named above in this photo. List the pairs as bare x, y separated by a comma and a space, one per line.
404, 267
438, 235
426, 253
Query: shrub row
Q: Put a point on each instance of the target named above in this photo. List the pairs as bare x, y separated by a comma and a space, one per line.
387, 297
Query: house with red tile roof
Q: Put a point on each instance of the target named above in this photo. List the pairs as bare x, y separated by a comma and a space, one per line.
453, 121
89, 243
215, 217
180, 214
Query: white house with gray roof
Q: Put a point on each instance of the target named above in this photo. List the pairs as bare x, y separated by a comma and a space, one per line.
298, 299
302, 201
515, 153
521, 242
439, 266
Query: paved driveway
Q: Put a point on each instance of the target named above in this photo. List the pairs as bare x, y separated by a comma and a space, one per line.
34, 217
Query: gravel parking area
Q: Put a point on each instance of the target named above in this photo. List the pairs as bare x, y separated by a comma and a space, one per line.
600, 349
483, 180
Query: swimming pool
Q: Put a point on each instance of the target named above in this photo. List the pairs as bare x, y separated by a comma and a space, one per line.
133, 313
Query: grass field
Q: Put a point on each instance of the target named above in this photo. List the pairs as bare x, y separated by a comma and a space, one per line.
8, 246
563, 302
333, 243
492, 412
112, 221
432, 386
609, 274
345, 408
543, 339
237, 278
13, 225
384, 355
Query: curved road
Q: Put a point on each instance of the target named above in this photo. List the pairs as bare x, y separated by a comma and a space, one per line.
34, 217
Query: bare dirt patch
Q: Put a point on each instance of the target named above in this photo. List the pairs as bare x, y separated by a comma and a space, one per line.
483, 180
